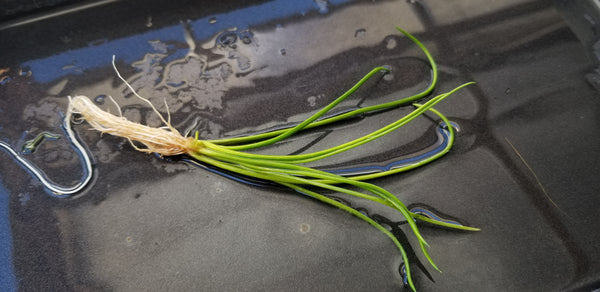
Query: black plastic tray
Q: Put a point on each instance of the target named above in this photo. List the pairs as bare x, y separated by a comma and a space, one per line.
524, 168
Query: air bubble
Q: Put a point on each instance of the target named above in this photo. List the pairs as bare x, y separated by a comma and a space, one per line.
282, 52
212, 20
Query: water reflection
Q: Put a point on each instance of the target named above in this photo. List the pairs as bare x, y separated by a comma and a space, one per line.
51, 68
7, 276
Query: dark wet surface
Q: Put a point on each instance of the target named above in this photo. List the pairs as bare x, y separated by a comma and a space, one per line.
150, 224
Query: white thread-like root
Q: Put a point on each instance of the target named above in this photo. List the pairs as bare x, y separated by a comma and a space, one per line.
156, 140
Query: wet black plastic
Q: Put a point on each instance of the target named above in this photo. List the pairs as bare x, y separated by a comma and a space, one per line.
524, 167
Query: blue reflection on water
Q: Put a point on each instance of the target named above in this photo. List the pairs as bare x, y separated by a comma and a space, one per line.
7, 276
132, 48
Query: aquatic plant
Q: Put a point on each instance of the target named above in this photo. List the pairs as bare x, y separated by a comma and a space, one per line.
230, 154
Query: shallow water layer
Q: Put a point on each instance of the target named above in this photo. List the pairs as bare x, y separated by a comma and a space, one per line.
522, 168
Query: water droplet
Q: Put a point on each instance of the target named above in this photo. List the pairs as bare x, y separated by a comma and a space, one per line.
100, 99
149, 21
360, 33
246, 36
282, 52
366, 213
243, 62
24, 198
389, 76
312, 101
391, 43
227, 39
507, 91
24, 72
178, 84
212, 20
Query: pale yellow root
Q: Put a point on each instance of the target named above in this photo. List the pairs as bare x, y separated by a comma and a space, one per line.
157, 140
